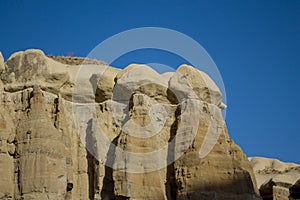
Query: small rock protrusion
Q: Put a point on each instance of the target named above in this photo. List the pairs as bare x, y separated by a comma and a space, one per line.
2, 64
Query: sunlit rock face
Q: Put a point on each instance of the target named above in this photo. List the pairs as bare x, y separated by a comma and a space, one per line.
76, 129
275, 179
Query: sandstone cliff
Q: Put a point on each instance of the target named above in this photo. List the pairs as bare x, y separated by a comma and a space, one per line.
91, 131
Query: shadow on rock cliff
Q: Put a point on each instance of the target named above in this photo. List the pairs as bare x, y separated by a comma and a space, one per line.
239, 188
107, 191
90, 160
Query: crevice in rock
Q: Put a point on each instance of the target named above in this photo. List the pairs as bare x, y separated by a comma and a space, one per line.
56, 111
120, 197
18, 177
91, 177
171, 185
130, 103
68, 194
107, 191
94, 80
69, 187
90, 160
172, 97
28, 107
295, 190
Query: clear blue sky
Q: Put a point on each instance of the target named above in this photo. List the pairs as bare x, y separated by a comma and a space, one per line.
255, 44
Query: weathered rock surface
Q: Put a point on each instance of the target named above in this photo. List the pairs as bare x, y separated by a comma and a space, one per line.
276, 179
2, 64
91, 131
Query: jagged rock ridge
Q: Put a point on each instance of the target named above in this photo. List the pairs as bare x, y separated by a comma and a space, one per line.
47, 153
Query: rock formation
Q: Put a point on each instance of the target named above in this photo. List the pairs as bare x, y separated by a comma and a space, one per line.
275, 179
91, 131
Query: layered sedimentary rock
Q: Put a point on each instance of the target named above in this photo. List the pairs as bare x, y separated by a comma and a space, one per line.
91, 131
275, 179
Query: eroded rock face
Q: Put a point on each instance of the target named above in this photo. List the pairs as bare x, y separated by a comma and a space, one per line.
2, 64
91, 131
276, 179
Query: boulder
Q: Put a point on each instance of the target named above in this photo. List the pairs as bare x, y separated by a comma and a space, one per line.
276, 179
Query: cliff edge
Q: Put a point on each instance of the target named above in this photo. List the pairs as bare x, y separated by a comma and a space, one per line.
91, 131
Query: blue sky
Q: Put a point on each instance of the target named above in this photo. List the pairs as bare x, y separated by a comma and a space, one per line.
255, 44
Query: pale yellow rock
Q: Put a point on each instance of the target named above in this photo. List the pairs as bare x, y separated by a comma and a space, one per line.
2, 64
260, 163
203, 86
106, 84
143, 79
91, 131
280, 193
276, 179
6, 160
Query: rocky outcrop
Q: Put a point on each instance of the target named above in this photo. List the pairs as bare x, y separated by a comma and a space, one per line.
91, 131
2, 64
275, 179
